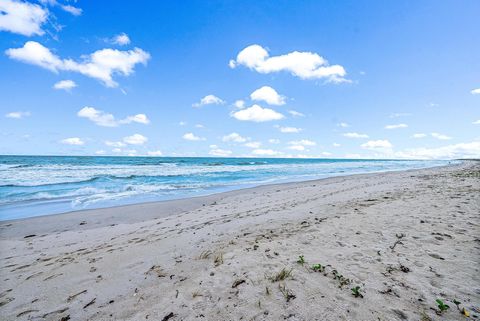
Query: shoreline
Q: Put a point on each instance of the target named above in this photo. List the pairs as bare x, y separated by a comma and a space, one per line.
405, 238
198, 199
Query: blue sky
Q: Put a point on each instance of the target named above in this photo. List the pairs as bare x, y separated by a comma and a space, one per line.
381, 79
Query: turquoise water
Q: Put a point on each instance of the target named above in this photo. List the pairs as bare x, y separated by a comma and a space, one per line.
40, 185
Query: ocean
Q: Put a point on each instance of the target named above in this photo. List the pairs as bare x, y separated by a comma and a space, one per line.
40, 185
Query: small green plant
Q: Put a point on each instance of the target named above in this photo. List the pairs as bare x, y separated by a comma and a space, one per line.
457, 303
356, 291
318, 268
442, 306
301, 260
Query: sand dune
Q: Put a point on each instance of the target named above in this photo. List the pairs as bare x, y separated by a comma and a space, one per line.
281, 252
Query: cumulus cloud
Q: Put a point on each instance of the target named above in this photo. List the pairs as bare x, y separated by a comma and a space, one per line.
104, 119
343, 125
419, 135
300, 145
234, 137
192, 137
377, 144
101, 65
336, 145
100, 152
239, 104
396, 126
355, 135
253, 144
154, 153
66, 85
297, 147
266, 152
289, 130
135, 139
209, 100
257, 114
121, 39
462, 150
72, 10
476, 91
274, 141
268, 95
295, 113
115, 144
219, 152
23, 18
72, 141
476, 122
17, 114
67, 8
305, 65
440, 136
303, 142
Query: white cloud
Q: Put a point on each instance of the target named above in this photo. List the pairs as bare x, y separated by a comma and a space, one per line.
100, 65
192, 137
336, 145
17, 114
377, 144
239, 104
135, 139
253, 144
419, 135
182, 123
257, 114
266, 152
297, 147
220, 152
234, 137
295, 113
355, 135
289, 130
475, 91
440, 136
121, 39
73, 141
274, 141
396, 126
305, 65
199, 126
343, 125
476, 122
104, 119
71, 9
462, 150
67, 8
209, 100
100, 152
154, 153
115, 144
269, 95
66, 85
116, 150
22, 17
303, 142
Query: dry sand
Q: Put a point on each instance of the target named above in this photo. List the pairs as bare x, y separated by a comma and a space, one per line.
405, 238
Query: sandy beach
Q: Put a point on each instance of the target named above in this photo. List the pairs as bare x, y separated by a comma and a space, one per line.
291, 251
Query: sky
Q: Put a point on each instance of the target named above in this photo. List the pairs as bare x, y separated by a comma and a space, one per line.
319, 79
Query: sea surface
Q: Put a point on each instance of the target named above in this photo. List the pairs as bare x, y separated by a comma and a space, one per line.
41, 185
